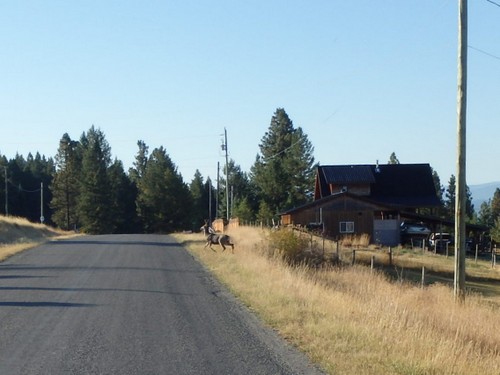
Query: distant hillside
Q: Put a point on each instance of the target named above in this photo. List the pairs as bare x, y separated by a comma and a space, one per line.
482, 193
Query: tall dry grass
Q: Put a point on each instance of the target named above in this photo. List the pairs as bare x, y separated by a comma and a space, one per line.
352, 321
18, 234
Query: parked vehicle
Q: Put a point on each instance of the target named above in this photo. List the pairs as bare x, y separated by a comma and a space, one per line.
414, 233
439, 241
410, 228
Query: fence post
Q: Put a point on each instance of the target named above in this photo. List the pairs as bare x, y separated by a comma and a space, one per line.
423, 276
477, 250
372, 263
353, 256
390, 255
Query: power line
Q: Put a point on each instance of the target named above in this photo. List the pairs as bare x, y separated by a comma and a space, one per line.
492, 2
484, 52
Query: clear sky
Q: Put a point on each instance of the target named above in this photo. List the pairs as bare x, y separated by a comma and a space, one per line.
362, 78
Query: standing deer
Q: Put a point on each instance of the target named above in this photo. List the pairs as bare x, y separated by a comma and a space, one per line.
213, 238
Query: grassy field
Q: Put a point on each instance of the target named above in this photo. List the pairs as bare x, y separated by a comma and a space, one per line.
352, 320
18, 234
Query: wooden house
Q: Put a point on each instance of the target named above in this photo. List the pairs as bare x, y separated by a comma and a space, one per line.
366, 199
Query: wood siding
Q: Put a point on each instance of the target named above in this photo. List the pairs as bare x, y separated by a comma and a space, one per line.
335, 211
357, 189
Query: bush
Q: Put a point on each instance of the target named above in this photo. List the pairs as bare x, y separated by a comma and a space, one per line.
293, 247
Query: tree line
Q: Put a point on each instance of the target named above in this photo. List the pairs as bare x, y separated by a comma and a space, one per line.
83, 188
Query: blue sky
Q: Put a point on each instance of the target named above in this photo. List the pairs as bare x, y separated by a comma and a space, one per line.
362, 78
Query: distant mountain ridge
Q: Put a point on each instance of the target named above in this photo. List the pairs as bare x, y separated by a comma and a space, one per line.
483, 192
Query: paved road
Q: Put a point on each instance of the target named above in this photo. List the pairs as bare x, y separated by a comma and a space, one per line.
128, 304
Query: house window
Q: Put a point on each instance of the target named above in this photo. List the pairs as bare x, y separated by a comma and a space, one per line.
346, 227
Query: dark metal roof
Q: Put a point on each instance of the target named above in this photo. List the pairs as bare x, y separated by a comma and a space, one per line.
406, 185
348, 174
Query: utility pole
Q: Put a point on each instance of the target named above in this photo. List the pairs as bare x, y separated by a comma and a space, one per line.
6, 193
224, 147
209, 201
217, 195
42, 218
460, 199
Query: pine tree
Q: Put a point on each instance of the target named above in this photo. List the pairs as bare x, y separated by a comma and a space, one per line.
495, 205
239, 188
141, 161
450, 197
164, 199
393, 159
243, 210
95, 203
123, 196
65, 185
485, 216
283, 171
200, 196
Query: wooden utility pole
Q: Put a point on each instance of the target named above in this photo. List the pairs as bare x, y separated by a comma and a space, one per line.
460, 199
227, 176
209, 201
218, 195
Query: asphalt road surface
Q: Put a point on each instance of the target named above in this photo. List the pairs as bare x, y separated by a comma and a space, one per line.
128, 304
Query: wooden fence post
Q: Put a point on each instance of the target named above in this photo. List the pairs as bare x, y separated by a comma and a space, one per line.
372, 263
353, 256
423, 276
390, 255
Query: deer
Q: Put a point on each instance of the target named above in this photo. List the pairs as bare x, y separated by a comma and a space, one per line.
213, 238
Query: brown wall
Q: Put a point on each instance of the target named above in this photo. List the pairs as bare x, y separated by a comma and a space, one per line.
334, 212
357, 189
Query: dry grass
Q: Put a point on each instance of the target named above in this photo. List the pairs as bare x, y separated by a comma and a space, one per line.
18, 234
352, 321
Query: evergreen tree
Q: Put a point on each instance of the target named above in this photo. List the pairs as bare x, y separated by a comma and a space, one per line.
437, 185
495, 205
141, 161
123, 196
469, 206
95, 203
450, 201
164, 199
24, 179
65, 186
393, 159
495, 231
239, 188
200, 195
283, 171
265, 215
485, 216
243, 210
3, 193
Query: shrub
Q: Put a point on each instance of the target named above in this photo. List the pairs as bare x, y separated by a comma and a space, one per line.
293, 247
